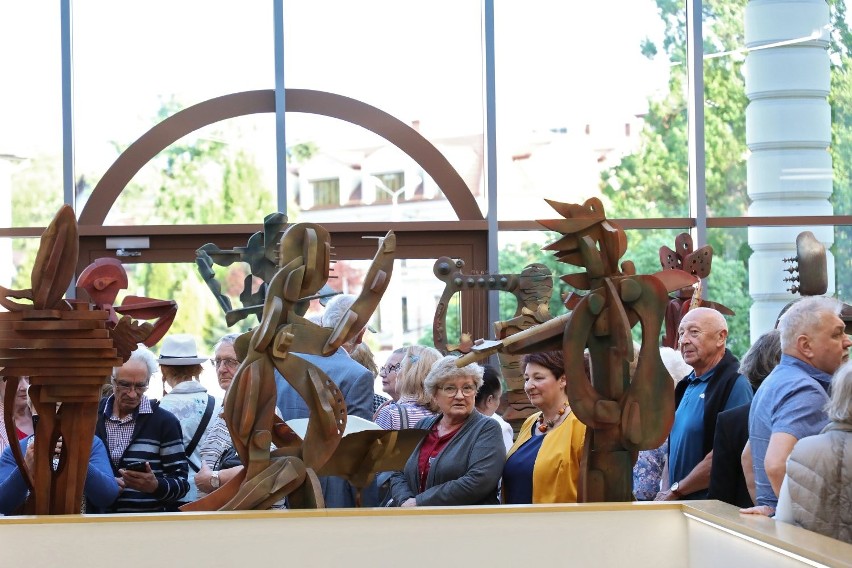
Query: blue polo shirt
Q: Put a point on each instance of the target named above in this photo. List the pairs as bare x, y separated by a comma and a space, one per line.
791, 400
686, 441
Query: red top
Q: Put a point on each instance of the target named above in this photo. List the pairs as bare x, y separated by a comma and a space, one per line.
21, 434
432, 446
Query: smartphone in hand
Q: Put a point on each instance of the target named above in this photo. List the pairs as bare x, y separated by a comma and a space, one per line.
137, 466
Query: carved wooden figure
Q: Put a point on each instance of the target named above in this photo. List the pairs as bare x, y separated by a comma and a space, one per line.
532, 290
623, 415
68, 349
249, 410
697, 263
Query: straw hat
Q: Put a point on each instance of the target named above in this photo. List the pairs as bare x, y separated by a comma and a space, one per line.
179, 349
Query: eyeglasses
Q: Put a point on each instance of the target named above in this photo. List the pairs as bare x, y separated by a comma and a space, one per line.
125, 386
388, 369
451, 390
230, 363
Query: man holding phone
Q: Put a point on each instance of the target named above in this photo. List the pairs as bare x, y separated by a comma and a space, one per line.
144, 442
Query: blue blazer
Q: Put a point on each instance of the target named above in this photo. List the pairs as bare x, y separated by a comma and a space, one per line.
356, 384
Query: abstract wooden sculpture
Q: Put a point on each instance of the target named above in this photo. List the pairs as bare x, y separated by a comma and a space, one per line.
696, 263
623, 414
249, 410
532, 289
68, 349
261, 255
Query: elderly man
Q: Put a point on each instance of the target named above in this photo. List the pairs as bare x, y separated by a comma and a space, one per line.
144, 442
354, 381
714, 385
790, 404
218, 440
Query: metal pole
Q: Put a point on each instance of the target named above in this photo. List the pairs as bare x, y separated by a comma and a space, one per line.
490, 135
695, 106
280, 105
68, 178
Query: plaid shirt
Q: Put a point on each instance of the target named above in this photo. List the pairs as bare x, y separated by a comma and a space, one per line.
120, 430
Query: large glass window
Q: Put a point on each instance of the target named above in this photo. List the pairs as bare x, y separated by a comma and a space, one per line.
30, 114
590, 105
137, 65
419, 62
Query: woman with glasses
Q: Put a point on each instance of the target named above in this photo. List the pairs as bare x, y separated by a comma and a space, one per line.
543, 466
389, 373
461, 459
413, 404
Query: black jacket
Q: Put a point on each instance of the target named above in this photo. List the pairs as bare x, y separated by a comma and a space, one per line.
716, 396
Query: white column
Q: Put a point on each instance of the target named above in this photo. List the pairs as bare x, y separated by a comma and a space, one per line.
788, 131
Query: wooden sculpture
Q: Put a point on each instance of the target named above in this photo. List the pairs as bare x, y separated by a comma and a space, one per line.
532, 290
697, 263
261, 255
103, 280
809, 275
249, 409
623, 415
68, 349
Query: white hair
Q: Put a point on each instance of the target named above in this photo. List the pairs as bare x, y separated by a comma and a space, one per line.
803, 318
446, 370
336, 308
226, 340
141, 355
839, 407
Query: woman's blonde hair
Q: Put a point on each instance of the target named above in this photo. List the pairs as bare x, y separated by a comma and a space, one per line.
417, 361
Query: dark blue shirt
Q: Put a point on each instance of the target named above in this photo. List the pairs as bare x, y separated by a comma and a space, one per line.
518, 472
686, 439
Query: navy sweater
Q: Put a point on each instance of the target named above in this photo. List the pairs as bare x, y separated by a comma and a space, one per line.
158, 440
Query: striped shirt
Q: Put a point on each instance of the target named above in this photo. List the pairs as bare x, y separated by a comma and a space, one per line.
120, 430
388, 417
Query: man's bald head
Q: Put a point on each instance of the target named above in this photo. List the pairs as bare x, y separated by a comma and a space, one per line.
702, 334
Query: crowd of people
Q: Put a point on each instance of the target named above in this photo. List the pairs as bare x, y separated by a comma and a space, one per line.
769, 434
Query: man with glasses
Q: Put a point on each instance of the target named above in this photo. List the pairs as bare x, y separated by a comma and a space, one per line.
714, 385
144, 442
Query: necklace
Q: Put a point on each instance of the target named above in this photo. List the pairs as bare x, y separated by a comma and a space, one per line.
545, 425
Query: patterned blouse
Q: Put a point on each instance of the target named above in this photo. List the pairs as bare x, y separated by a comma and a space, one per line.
388, 417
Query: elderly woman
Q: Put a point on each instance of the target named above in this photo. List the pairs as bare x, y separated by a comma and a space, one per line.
22, 417
544, 464
817, 487
389, 372
187, 399
460, 460
413, 401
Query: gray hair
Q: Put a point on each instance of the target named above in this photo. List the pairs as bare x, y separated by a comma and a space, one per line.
803, 317
141, 355
336, 308
446, 370
761, 358
226, 340
675, 365
839, 407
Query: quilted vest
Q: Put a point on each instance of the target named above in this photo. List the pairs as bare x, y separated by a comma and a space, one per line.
819, 472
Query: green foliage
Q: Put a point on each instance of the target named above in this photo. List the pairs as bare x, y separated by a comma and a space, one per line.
36, 197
